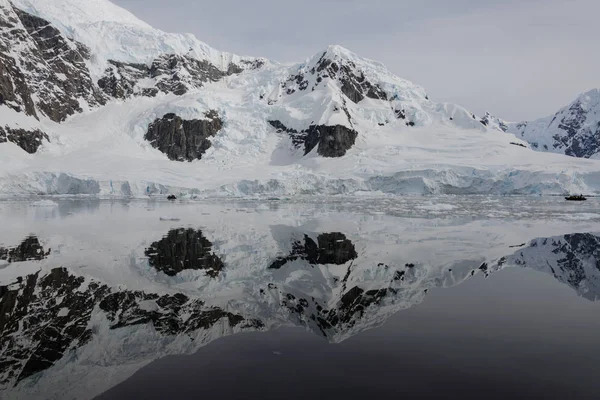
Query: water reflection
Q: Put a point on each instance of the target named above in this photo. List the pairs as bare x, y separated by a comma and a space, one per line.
330, 248
184, 249
572, 259
29, 249
60, 322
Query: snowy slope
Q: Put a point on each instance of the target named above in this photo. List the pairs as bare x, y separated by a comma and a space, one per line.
334, 124
574, 130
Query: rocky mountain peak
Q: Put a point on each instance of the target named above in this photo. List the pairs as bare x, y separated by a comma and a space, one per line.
574, 130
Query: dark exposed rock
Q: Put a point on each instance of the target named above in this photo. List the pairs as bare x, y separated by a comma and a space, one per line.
69, 79
120, 79
184, 249
30, 141
332, 141
14, 91
492, 121
518, 144
331, 248
171, 73
281, 127
578, 140
177, 74
352, 80
183, 140
29, 249
38, 63
400, 114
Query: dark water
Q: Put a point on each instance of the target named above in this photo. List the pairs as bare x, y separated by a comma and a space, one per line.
104, 300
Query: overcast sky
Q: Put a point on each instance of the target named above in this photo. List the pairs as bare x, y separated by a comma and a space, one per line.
519, 59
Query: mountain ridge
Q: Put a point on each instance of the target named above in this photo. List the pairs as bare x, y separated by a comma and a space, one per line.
95, 93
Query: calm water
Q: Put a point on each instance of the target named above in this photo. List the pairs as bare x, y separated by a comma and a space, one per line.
444, 297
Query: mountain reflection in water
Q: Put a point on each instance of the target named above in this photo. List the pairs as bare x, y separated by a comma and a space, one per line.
215, 280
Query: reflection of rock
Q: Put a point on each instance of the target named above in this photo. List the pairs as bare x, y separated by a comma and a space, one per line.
70, 326
572, 259
184, 249
183, 140
332, 248
42, 317
47, 316
29, 249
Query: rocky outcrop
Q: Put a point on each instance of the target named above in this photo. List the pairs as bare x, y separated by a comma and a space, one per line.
183, 140
66, 80
330, 141
42, 71
30, 141
169, 73
184, 249
352, 80
177, 74
120, 80
494, 122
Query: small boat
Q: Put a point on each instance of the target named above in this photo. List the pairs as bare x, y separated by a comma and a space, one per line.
576, 198
172, 197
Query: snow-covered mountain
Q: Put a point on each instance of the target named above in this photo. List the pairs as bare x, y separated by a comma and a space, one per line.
106, 105
574, 130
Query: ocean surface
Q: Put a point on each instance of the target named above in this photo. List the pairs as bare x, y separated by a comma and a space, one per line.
337, 298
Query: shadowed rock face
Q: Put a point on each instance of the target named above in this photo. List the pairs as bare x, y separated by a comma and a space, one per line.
120, 79
353, 82
331, 141
578, 141
30, 141
184, 249
183, 140
29, 249
41, 69
45, 316
331, 248
170, 73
